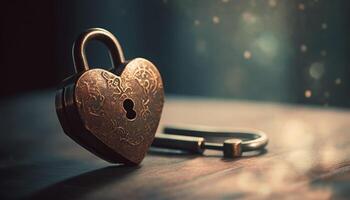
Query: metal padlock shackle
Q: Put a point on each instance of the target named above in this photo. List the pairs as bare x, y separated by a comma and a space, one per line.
79, 57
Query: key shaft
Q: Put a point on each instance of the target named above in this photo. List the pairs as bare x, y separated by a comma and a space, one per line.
231, 147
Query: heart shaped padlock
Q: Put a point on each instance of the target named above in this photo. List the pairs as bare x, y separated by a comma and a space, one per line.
114, 113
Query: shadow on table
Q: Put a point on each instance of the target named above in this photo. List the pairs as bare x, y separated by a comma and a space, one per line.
81, 185
171, 153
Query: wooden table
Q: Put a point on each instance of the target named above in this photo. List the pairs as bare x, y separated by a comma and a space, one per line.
308, 155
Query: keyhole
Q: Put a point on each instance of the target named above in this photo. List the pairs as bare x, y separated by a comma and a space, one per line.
128, 105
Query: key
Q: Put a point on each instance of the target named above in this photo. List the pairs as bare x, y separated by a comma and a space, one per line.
196, 139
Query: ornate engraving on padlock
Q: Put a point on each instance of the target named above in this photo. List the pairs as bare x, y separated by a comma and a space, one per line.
115, 113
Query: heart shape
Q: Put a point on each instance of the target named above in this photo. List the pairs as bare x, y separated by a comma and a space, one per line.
122, 112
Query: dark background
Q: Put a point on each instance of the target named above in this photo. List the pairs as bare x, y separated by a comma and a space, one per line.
280, 51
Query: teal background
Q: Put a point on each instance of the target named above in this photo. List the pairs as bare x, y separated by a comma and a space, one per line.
265, 50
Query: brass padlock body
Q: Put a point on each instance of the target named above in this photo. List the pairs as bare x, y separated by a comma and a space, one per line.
91, 105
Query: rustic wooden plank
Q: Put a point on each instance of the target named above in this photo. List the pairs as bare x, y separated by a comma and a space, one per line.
307, 157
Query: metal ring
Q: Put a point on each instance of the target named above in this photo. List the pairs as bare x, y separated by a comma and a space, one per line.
252, 139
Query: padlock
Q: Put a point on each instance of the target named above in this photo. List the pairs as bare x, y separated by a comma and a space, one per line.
112, 113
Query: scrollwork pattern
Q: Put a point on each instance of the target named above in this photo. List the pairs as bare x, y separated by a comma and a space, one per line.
146, 78
102, 94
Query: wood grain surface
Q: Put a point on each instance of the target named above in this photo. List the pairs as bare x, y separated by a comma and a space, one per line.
308, 156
